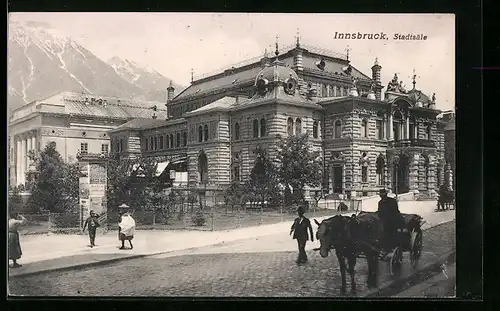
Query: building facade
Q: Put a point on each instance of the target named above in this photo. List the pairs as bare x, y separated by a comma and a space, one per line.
214, 125
76, 122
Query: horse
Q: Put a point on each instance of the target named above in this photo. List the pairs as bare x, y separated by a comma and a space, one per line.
350, 237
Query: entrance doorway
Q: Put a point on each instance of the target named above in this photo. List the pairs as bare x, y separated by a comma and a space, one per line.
401, 182
337, 179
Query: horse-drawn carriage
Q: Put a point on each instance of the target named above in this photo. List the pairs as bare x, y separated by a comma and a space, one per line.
361, 236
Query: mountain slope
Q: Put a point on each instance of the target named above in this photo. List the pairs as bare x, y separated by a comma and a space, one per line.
43, 62
147, 79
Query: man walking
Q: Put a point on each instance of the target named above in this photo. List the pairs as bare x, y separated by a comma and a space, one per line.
391, 218
299, 230
93, 224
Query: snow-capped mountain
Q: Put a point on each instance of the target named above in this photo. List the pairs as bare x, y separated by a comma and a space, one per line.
42, 62
142, 76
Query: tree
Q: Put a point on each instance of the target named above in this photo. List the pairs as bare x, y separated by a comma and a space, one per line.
262, 182
15, 201
298, 166
134, 181
233, 194
56, 187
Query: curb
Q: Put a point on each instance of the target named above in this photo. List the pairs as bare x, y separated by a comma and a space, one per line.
106, 261
114, 260
393, 287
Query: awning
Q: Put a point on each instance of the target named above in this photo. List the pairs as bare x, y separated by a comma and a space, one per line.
161, 167
179, 160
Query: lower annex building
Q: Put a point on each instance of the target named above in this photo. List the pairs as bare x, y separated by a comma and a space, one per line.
215, 124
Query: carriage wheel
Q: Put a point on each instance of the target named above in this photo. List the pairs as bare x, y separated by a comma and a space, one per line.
396, 259
415, 247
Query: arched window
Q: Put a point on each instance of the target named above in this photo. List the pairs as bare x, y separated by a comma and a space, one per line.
397, 125
298, 126
184, 138
166, 142
203, 167
341, 91
335, 91
145, 142
151, 144
156, 143
200, 134
171, 138
236, 131
330, 90
429, 132
161, 142
364, 128
380, 129
324, 90
338, 129
315, 129
411, 134
255, 128
178, 140
205, 132
290, 126
380, 170
262, 127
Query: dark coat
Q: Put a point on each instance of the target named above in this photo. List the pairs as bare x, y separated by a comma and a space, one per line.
388, 209
300, 229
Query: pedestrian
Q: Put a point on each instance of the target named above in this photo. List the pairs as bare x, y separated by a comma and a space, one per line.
299, 230
93, 223
126, 229
15, 222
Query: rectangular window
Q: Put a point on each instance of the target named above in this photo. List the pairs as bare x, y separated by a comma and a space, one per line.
104, 148
237, 173
364, 174
84, 148
380, 129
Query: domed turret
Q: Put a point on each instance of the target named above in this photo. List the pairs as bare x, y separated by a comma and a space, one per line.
276, 75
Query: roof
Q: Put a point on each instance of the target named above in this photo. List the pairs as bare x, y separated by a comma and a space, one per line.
331, 66
105, 106
138, 123
223, 103
228, 80
247, 73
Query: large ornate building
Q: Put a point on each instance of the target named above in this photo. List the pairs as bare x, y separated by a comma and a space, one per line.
74, 121
214, 125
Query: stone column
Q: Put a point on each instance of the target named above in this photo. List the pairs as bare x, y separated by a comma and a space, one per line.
431, 176
414, 172
18, 161
33, 143
28, 149
390, 135
23, 161
408, 128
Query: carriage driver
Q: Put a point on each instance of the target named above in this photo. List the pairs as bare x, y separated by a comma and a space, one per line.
391, 218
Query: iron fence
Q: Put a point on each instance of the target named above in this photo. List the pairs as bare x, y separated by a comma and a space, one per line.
185, 215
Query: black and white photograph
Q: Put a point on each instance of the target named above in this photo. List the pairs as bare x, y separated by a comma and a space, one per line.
231, 155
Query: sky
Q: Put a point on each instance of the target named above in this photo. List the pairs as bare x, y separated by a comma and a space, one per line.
175, 43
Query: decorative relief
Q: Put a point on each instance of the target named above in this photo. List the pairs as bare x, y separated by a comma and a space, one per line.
52, 132
364, 160
338, 156
192, 133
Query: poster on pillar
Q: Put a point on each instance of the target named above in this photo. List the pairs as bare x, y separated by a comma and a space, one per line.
97, 190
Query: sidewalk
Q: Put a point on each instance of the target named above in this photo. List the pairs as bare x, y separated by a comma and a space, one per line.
440, 285
49, 252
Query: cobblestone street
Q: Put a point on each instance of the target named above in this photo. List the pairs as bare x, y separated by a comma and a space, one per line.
237, 269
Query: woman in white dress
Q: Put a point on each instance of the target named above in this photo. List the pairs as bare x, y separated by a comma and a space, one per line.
126, 229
